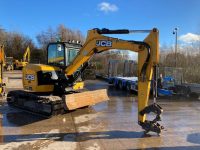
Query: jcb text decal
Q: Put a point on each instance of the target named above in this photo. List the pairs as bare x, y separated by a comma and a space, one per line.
104, 43
30, 77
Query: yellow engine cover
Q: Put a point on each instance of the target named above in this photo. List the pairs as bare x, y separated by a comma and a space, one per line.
36, 79
31, 78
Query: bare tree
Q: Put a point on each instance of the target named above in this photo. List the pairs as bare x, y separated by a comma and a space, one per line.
67, 34
61, 33
45, 37
15, 44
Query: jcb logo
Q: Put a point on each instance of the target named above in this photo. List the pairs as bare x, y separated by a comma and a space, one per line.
104, 43
30, 77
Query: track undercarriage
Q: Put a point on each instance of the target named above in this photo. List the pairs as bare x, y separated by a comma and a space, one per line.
45, 105
51, 105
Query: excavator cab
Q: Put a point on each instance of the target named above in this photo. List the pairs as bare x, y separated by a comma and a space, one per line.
45, 78
61, 54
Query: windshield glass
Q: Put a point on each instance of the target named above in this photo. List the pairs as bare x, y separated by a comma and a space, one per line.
56, 54
71, 54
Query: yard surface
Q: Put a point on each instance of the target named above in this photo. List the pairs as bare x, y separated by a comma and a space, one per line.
109, 125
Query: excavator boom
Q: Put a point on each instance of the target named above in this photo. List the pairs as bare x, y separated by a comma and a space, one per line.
26, 56
148, 58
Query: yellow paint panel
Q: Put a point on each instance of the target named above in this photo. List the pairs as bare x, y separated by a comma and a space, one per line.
31, 84
78, 85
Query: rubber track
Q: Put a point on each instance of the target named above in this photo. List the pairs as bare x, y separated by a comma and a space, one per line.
46, 106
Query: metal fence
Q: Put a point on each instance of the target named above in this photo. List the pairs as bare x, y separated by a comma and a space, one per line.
176, 73
125, 68
128, 68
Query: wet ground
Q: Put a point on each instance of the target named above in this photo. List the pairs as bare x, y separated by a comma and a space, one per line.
109, 125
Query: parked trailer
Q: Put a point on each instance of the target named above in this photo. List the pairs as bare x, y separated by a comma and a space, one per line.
127, 83
191, 90
131, 84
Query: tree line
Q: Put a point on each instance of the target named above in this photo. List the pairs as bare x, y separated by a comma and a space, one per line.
15, 43
187, 59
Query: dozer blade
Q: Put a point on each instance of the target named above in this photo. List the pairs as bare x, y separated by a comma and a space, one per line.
88, 98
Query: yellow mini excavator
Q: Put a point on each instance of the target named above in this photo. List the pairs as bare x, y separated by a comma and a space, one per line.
56, 87
26, 59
